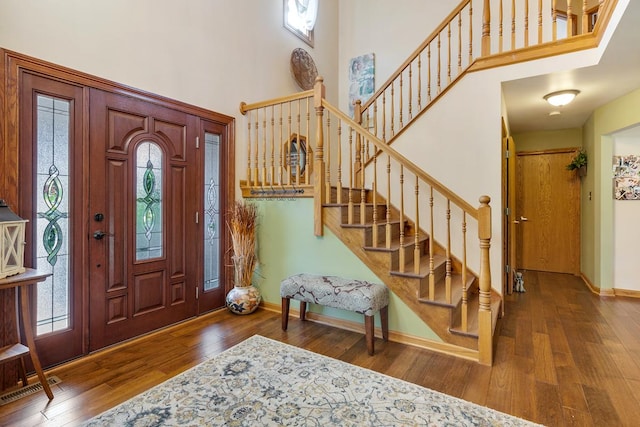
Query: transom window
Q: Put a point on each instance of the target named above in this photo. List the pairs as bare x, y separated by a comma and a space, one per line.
300, 18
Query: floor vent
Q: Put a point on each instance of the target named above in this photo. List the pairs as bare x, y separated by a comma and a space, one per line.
14, 395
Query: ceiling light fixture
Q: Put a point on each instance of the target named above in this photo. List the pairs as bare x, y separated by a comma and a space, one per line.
562, 97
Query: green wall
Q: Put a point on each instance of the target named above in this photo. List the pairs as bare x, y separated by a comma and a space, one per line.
597, 224
287, 245
548, 140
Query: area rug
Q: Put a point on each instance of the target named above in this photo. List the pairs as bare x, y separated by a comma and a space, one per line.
262, 382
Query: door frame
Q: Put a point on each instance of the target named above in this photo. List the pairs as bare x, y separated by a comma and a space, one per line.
12, 64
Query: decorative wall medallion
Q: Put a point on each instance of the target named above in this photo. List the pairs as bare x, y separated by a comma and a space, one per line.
303, 68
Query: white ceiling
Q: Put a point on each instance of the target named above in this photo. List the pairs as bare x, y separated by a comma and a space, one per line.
617, 74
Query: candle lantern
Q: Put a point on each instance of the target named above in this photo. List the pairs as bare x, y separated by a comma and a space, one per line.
11, 242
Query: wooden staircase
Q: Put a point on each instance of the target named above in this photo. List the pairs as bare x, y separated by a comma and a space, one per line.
443, 313
456, 301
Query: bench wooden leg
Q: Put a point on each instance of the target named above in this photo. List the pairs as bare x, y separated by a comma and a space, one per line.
384, 322
285, 313
368, 333
303, 310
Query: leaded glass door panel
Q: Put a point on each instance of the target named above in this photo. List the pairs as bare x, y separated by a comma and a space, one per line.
143, 202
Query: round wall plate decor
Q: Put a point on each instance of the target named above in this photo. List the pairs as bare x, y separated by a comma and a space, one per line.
303, 68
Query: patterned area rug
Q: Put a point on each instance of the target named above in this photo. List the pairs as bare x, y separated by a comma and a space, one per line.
262, 382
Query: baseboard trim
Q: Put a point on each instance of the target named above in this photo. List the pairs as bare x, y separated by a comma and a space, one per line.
596, 290
399, 337
629, 293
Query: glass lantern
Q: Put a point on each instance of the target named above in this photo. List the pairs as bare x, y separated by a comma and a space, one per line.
11, 242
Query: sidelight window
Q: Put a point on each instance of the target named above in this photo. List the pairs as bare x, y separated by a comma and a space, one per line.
52, 224
211, 211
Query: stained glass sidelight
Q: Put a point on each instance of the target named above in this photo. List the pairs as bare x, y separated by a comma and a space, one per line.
211, 211
148, 201
52, 223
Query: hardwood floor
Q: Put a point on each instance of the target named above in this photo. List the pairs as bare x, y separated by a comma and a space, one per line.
565, 357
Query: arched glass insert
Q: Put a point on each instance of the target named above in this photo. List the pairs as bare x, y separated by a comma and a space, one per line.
211, 211
52, 225
149, 234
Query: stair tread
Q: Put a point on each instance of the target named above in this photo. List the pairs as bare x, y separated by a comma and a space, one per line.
424, 267
440, 292
395, 243
472, 319
370, 224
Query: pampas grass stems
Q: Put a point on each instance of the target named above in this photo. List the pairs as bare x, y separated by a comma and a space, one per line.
242, 226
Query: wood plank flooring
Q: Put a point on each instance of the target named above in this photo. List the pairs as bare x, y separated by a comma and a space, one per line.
564, 358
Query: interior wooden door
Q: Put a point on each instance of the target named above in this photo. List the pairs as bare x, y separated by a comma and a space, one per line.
143, 206
548, 211
510, 222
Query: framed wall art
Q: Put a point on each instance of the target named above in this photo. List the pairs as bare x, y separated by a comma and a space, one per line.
361, 79
626, 177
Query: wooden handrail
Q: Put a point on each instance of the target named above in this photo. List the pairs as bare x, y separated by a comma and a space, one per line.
244, 107
415, 53
408, 164
488, 52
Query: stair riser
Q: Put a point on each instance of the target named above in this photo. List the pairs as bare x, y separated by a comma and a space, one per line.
357, 208
382, 230
356, 195
409, 255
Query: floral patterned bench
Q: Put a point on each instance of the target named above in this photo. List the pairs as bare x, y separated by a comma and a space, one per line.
348, 294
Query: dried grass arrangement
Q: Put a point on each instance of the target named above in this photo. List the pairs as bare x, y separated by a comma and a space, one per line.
243, 219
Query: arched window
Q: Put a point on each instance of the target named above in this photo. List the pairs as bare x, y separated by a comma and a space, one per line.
148, 201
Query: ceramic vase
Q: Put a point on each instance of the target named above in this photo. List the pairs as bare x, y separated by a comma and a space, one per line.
243, 299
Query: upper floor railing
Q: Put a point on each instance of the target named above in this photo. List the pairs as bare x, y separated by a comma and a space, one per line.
502, 32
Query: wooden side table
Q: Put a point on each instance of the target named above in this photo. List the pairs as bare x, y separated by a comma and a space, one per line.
19, 351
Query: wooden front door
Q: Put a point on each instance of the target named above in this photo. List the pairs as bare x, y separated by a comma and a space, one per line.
124, 206
143, 199
548, 211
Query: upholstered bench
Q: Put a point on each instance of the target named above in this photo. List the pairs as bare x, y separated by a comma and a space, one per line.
337, 292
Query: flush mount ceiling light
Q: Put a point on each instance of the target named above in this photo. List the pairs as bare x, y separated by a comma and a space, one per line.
560, 98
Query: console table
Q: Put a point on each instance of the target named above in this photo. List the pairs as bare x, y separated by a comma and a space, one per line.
19, 351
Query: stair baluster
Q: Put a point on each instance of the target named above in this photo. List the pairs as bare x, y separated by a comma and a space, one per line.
465, 297
402, 249
447, 280
432, 274
374, 229
416, 232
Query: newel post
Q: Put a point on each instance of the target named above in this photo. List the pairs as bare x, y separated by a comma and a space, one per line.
486, 29
318, 162
485, 325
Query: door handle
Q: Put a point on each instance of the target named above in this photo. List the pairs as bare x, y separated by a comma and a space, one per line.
524, 219
515, 221
99, 235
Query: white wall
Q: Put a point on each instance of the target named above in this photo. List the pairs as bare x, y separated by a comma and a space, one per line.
625, 219
391, 30
209, 53
458, 141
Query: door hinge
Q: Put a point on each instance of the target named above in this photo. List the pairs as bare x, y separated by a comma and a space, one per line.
197, 217
506, 154
197, 291
507, 268
506, 211
197, 142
